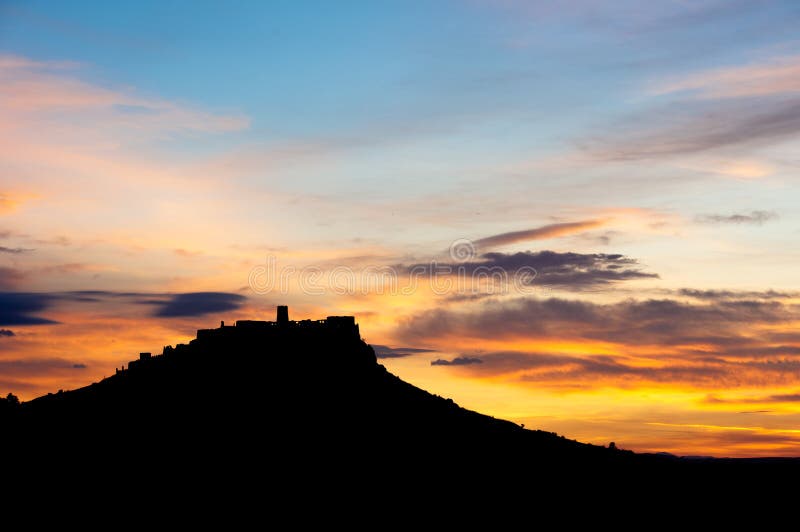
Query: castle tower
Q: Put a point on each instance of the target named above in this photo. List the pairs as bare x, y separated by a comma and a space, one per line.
283, 314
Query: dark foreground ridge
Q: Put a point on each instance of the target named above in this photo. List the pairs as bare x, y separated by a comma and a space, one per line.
306, 402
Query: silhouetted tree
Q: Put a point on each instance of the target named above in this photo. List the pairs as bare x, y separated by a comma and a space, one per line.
10, 402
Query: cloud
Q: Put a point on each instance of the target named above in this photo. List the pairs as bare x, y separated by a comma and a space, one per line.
538, 233
30, 87
668, 330
458, 361
20, 308
580, 370
754, 218
199, 304
570, 270
384, 351
626, 18
543, 367
778, 75
566, 270
37, 366
687, 127
14, 62
10, 277
6, 332
773, 398
735, 294
14, 251
58, 121
736, 106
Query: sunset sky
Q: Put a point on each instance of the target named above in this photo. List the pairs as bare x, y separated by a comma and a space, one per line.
578, 215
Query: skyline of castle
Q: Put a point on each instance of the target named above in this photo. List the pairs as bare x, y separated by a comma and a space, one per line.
258, 330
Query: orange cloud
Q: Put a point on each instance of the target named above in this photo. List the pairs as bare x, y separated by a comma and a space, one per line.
539, 233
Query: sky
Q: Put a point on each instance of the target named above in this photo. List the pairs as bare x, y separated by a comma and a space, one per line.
580, 216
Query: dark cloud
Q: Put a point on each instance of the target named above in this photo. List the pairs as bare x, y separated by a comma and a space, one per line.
4, 249
785, 398
720, 325
696, 126
198, 304
20, 308
570, 270
544, 368
537, 233
94, 296
735, 294
6, 332
384, 351
458, 361
23, 368
548, 268
461, 298
774, 398
754, 218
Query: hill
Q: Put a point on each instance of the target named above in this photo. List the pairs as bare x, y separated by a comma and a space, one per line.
305, 400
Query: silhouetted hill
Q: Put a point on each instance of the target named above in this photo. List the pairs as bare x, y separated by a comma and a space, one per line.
305, 403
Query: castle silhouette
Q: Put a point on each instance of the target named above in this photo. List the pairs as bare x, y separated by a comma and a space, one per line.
332, 328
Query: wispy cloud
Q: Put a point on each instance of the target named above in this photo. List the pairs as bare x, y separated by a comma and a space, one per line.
384, 351
14, 251
458, 361
538, 233
779, 75
750, 105
735, 294
753, 218
53, 122
690, 128
544, 368
762, 399
28, 87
